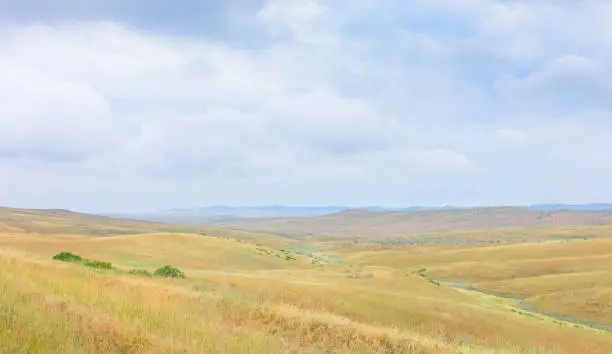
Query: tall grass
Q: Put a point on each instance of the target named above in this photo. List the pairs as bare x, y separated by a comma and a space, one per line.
239, 300
57, 309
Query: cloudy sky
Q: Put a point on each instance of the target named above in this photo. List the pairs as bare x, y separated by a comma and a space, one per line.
144, 105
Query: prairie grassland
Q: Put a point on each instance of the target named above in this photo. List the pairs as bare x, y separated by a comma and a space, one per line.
47, 307
65, 223
586, 295
397, 257
151, 250
528, 287
249, 306
570, 278
246, 296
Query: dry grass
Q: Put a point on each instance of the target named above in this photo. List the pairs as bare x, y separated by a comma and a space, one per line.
64, 308
242, 298
583, 295
570, 278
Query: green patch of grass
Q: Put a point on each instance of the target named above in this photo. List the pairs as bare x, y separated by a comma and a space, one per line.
67, 257
92, 263
140, 272
169, 272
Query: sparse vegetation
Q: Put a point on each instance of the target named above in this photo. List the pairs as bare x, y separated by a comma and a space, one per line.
140, 272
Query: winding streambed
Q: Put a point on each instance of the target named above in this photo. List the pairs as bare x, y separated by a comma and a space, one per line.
523, 304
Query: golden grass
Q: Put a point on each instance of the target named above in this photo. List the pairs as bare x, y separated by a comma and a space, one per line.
243, 298
401, 257
65, 223
408, 301
151, 250
95, 312
593, 304
570, 278
548, 284
265, 311
64, 308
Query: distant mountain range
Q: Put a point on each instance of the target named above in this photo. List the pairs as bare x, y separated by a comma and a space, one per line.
221, 213
384, 223
257, 211
594, 206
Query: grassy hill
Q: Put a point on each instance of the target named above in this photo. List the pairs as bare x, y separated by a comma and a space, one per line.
252, 293
569, 278
57, 222
365, 223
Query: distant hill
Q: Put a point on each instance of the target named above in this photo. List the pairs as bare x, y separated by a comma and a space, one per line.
221, 214
258, 211
211, 215
59, 221
346, 222
387, 223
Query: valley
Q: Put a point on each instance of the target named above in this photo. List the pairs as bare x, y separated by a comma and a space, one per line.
534, 289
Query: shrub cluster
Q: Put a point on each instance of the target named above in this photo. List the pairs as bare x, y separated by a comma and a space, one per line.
67, 257
169, 272
166, 271
98, 264
71, 257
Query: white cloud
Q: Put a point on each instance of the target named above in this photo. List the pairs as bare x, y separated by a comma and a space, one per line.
166, 119
511, 135
50, 118
302, 18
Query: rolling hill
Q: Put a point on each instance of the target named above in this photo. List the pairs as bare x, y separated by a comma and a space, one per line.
368, 223
224, 214
253, 292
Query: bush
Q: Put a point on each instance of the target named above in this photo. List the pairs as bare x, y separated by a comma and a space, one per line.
169, 272
67, 257
140, 272
99, 264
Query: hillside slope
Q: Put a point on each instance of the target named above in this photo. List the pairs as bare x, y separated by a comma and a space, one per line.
243, 297
58, 222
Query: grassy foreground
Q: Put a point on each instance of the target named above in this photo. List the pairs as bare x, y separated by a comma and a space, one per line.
62, 308
243, 297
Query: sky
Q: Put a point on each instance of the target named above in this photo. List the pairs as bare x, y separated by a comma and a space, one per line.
147, 105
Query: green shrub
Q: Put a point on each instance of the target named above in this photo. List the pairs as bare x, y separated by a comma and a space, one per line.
140, 272
98, 264
169, 272
67, 257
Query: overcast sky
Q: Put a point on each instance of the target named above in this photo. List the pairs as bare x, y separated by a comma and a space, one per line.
145, 105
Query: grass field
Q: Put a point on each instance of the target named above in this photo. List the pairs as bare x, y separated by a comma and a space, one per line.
255, 293
569, 278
